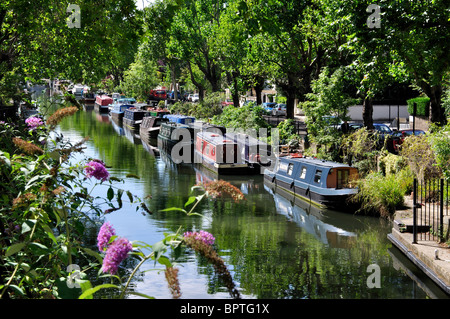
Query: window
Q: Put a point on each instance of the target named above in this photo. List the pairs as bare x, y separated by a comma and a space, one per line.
282, 167
318, 176
290, 169
342, 178
303, 173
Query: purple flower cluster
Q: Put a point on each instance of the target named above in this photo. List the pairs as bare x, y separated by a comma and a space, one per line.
96, 169
104, 235
116, 252
33, 122
202, 235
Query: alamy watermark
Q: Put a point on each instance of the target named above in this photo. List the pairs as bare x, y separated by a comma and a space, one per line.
374, 279
74, 20
374, 20
74, 273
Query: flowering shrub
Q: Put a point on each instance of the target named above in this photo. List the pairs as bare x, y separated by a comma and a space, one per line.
34, 122
104, 235
96, 169
203, 236
116, 253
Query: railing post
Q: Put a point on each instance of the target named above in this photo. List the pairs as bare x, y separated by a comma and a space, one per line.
441, 212
415, 211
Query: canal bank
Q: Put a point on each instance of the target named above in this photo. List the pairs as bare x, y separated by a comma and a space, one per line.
428, 255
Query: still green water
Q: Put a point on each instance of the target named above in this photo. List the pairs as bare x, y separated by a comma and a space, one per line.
274, 246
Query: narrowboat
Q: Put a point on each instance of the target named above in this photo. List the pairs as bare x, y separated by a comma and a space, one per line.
119, 106
181, 119
102, 103
219, 154
88, 99
157, 112
183, 135
132, 118
150, 127
322, 183
253, 151
176, 130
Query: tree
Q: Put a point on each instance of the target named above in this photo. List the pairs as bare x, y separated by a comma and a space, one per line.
289, 46
410, 41
36, 40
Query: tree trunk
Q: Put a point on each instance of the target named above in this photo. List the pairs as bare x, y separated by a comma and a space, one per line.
174, 83
198, 85
368, 113
259, 87
437, 112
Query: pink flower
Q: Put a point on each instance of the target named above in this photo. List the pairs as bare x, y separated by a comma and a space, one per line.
116, 253
104, 235
203, 236
34, 122
96, 169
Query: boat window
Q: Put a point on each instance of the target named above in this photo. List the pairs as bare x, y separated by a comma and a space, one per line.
343, 178
303, 173
318, 176
290, 169
282, 167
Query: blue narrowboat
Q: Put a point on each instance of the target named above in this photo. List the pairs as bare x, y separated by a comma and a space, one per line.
323, 183
132, 118
119, 106
181, 119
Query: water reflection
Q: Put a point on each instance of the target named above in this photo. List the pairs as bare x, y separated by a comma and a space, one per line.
275, 245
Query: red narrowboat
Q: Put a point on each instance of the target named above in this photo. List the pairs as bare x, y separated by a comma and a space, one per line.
102, 103
220, 155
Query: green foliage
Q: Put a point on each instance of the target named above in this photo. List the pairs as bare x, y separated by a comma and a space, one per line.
422, 106
380, 195
244, 118
417, 151
139, 79
360, 149
327, 107
287, 132
209, 107
439, 140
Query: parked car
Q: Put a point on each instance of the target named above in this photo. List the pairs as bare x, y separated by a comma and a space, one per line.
227, 102
268, 106
171, 95
384, 132
193, 97
279, 109
398, 137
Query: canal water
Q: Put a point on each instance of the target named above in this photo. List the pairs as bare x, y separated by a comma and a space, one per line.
274, 246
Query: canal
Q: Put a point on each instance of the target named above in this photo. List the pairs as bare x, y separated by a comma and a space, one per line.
274, 246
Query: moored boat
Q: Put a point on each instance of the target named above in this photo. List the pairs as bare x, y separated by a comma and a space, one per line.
119, 106
181, 119
322, 183
219, 154
253, 151
102, 103
150, 127
132, 118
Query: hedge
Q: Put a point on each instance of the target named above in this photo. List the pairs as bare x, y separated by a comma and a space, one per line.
423, 108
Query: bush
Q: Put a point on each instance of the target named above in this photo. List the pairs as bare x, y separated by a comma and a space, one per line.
380, 195
422, 103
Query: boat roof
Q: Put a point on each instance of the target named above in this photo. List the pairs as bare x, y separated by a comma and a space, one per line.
214, 138
315, 162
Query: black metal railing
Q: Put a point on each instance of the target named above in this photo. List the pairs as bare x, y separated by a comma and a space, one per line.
431, 210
